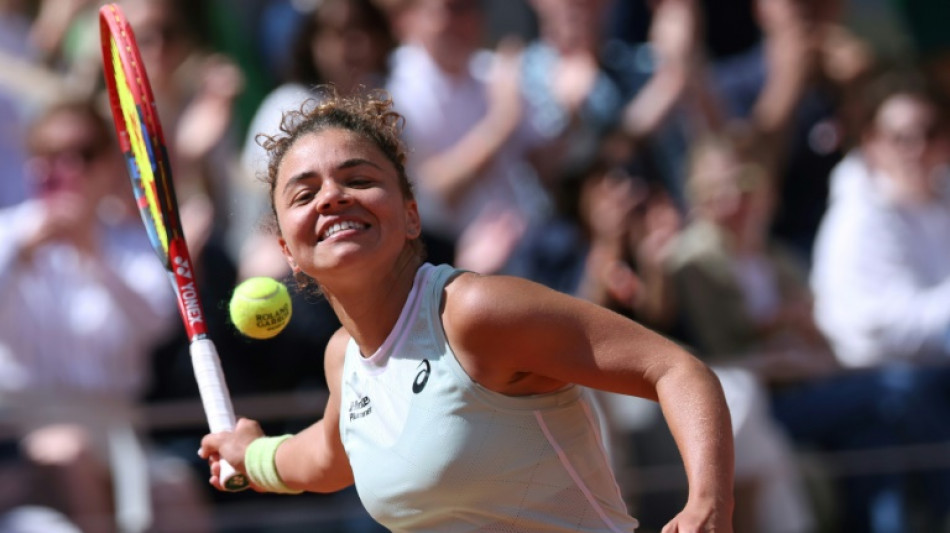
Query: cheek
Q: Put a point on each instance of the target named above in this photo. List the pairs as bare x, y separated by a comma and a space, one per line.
296, 226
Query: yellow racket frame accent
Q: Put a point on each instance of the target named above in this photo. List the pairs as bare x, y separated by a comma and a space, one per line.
140, 151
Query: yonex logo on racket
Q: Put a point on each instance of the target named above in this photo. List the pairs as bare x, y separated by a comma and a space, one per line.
182, 268
189, 299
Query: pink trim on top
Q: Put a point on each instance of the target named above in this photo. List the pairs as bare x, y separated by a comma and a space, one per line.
377, 362
573, 473
595, 426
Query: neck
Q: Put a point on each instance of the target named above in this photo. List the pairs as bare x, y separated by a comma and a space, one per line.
369, 308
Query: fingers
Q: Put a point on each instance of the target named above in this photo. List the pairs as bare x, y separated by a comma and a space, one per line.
214, 464
210, 445
244, 425
231, 445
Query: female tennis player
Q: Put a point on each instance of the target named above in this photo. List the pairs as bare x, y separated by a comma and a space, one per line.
458, 402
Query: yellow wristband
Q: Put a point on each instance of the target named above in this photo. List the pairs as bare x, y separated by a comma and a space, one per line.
261, 467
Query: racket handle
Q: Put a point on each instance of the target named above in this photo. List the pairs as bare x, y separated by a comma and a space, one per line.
216, 402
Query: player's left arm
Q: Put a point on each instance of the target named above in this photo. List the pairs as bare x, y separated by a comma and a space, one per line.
508, 332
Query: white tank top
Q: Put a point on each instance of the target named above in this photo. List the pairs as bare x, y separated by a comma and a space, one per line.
431, 450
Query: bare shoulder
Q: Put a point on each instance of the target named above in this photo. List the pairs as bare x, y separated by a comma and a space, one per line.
474, 302
517, 337
475, 299
502, 328
334, 352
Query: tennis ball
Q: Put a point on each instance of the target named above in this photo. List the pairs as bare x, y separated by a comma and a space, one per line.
260, 307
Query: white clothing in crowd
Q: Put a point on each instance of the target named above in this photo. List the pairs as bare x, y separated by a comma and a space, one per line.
73, 325
881, 273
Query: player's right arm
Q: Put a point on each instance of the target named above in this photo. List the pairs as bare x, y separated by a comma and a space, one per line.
314, 459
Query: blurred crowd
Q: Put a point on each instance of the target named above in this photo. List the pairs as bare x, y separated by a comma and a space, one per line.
765, 181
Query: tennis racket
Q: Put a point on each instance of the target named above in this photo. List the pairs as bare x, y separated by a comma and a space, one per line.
143, 145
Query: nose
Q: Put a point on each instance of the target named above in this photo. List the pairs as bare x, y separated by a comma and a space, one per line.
332, 195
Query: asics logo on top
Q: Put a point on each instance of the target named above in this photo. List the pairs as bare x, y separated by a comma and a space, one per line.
422, 377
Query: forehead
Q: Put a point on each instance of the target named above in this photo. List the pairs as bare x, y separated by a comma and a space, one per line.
721, 167
63, 129
905, 111
327, 149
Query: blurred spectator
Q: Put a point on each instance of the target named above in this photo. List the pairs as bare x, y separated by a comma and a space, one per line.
569, 94
608, 234
680, 87
656, 93
881, 278
744, 296
591, 96
62, 38
882, 272
579, 86
746, 307
475, 186
82, 300
791, 88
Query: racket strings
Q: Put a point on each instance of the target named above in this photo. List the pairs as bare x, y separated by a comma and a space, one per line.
141, 156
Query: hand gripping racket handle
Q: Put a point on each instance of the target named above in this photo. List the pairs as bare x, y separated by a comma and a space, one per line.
216, 402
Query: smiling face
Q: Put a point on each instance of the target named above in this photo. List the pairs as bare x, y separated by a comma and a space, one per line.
339, 203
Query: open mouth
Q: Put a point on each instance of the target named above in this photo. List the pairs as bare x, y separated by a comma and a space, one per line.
337, 227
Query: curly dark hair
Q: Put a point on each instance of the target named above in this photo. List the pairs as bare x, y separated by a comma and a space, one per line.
368, 113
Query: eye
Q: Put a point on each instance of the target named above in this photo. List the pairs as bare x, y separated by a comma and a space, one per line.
359, 182
302, 197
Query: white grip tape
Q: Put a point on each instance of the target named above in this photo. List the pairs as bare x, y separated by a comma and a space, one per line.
214, 394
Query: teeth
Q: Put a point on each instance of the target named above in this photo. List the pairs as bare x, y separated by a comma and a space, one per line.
340, 226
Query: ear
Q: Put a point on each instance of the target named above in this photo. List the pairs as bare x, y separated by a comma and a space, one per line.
413, 222
284, 249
